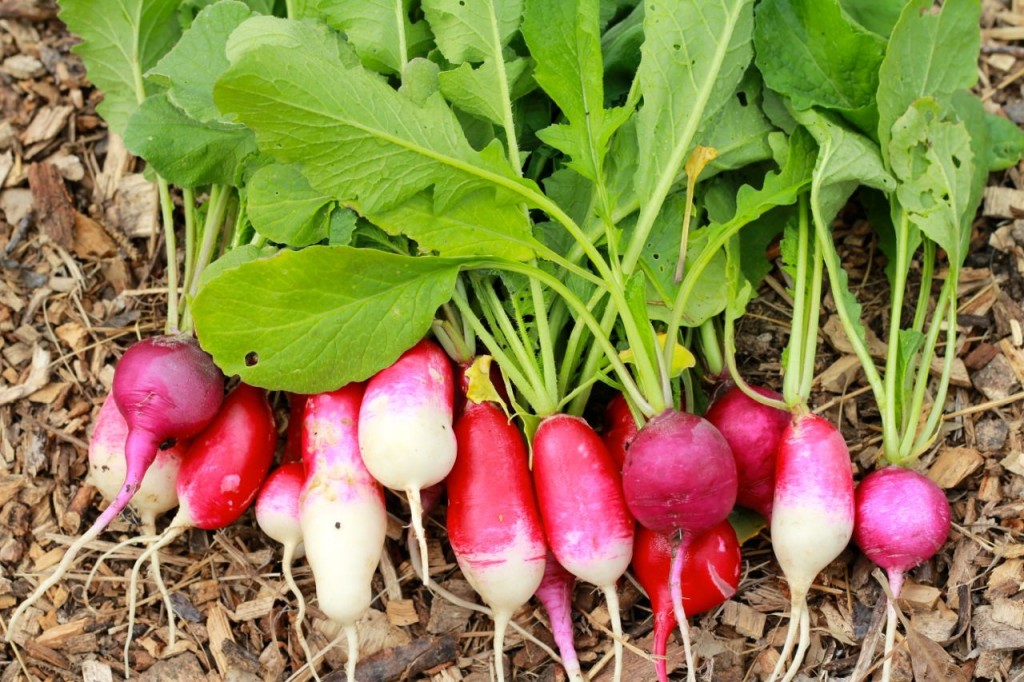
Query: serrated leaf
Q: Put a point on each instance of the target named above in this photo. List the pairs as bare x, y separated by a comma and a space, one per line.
121, 39
695, 52
470, 31
283, 207
259, 32
378, 29
393, 147
186, 151
471, 88
475, 226
313, 320
193, 65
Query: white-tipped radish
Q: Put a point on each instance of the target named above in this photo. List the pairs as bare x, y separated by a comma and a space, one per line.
341, 511
555, 592
405, 427
812, 516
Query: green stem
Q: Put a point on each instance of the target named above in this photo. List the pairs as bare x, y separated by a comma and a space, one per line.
188, 198
549, 367
289, 6
924, 294
793, 371
734, 372
931, 426
811, 328
712, 350
403, 49
172, 325
220, 196
891, 426
591, 361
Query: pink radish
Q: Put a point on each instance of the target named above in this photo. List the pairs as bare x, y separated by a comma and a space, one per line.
405, 427
902, 519
679, 476
619, 429
493, 524
220, 475
166, 388
586, 521
555, 592
812, 516
711, 575
277, 513
341, 511
753, 431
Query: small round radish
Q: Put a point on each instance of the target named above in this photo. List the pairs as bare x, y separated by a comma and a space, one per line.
167, 388
619, 428
493, 524
812, 516
680, 476
586, 521
555, 592
405, 427
753, 431
277, 513
902, 519
341, 511
711, 575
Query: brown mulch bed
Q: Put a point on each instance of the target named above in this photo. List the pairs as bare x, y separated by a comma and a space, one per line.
80, 278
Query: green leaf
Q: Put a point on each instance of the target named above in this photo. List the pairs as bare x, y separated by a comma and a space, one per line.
877, 16
472, 88
261, 32
932, 53
910, 342
470, 31
739, 132
232, 259
475, 226
121, 39
313, 320
1006, 142
193, 65
392, 147
694, 55
342, 227
184, 150
932, 159
285, 209
380, 30
809, 51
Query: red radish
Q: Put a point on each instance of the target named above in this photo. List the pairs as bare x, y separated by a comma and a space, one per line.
619, 428
711, 575
293, 435
277, 513
167, 388
679, 476
341, 511
902, 519
477, 380
812, 516
493, 524
753, 431
405, 427
221, 473
586, 521
555, 592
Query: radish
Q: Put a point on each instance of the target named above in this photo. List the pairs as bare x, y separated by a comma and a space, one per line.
167, 388
341, 511
619, 428
220, 474
555, 592
711, 575
405, 427
277, 513
293, 434
586, 521
753, 431
493, 524
679, 476
812, 516
902, 519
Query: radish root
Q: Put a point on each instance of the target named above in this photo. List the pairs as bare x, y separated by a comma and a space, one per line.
895, 586
501, 621
149, 526
352, 635
172, 533
612, 597
289, 579
416, 510
805, 642
797, 606
105, 556
676, 586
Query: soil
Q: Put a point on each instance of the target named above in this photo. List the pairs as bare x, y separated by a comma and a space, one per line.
81, 273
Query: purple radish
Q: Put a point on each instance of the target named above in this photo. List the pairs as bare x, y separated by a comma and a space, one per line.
680, 477
902, 519
812, 516
167, 388
555, 592
753, 431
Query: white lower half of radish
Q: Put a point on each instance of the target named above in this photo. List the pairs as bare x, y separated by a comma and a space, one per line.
505, 578
597, 565
411, 448
806, 539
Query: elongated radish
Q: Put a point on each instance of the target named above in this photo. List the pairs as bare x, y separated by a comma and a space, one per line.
493, 524
341, 511
220, 475
711, 575
555, 592
753, 431
586, 521
277, 513
405, 427
902, 519
166, 388
679, 476
812, 516
619, 429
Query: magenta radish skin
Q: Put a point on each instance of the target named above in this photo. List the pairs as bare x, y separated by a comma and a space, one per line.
277, 506
753, 431
555, 593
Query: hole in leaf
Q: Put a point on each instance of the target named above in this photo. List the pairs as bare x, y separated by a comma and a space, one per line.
742, 97
252, 358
